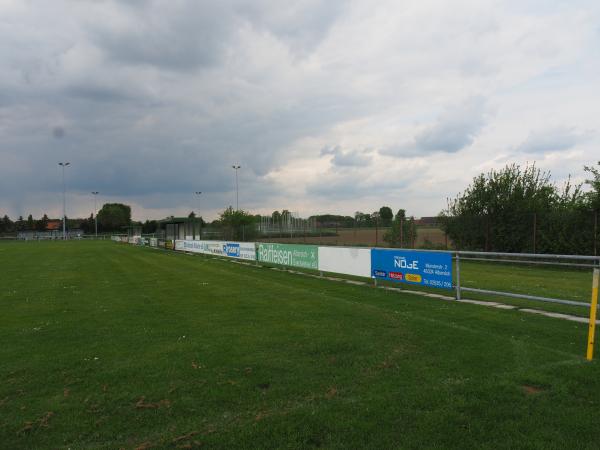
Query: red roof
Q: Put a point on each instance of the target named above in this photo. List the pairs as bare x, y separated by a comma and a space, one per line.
53, 225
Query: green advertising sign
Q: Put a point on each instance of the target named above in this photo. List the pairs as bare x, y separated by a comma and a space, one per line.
305, 256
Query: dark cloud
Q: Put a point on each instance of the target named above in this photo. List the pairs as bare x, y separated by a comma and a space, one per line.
58, 132
355, 184
347, 158
455, 129
153, 100
170, 35
301, 25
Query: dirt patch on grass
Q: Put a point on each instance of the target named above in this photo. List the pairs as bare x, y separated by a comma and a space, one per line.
532, 390
186, 441
41, 423
331, 392
142, 404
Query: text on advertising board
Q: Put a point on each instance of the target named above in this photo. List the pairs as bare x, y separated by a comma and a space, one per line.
306, 256
433, 269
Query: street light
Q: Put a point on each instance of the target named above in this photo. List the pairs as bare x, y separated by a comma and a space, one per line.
63, 165
95, 194
198, 193
237, 202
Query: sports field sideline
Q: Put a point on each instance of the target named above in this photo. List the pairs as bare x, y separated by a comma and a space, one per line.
113, 346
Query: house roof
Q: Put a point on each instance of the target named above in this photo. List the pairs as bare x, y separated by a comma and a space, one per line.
53, 225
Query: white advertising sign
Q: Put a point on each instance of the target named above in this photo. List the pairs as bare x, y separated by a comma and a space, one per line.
240, 250
345, 260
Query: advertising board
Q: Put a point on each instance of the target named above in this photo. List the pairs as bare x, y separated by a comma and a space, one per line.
433, 269
240, 250
345, 260
305, 256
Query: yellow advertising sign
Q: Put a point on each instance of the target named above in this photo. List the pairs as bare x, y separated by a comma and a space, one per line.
413, 277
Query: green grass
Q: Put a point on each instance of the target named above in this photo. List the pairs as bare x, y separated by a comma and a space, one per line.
239, 356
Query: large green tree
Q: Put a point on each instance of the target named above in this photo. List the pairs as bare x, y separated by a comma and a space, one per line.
114, 216
386, 215
520, 210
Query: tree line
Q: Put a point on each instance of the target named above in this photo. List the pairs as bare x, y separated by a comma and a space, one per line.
520, 209
112, 217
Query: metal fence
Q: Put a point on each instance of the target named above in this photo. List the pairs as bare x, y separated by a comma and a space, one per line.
575, 261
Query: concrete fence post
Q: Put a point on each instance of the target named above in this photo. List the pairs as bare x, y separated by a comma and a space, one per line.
457, 276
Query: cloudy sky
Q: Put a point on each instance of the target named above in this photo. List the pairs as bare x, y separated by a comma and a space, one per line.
328, 106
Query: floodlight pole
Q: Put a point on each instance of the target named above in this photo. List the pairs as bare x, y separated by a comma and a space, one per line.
237, 202
199, 193
63, 165
95, 194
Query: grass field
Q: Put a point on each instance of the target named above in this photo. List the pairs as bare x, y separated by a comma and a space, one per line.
112, 346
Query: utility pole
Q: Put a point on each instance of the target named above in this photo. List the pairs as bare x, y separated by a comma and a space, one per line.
237, 203
95, 194
63, 165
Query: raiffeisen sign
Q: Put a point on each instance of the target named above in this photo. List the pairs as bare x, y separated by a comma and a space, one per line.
305, 256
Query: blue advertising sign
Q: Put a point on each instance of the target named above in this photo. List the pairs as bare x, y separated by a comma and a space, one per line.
431, 269
231, 249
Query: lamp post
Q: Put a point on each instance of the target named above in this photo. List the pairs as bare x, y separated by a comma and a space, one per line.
63, 165
237, 202
199, 193
95, 194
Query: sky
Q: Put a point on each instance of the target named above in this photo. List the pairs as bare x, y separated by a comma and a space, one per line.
327, 106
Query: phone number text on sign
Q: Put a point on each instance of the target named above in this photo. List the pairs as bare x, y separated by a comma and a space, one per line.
413, 267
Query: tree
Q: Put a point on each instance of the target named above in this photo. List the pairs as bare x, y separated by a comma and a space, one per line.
150, 226
237, 224
6, 225
88, 225
114, 216
403, 232
42, 224
19, 224
362, 219
276, 216
386, 215
333, 220
594, 183
30, 223
519, 210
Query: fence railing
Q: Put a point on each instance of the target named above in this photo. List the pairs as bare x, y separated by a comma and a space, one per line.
522, 258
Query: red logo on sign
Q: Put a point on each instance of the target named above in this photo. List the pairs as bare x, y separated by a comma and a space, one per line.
396, 275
